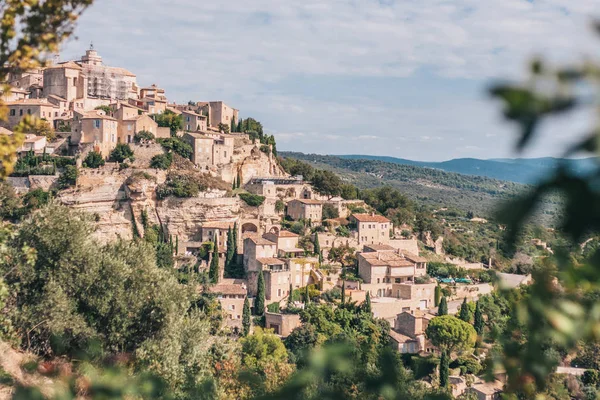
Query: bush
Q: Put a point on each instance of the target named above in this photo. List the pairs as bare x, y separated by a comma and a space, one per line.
143, 135
279, 205
161, 161
297, 228
178, 146
36, 198
93, 160
178, 185
273, 307
253, 200
330, 212
68, 177
121, 153
422, 279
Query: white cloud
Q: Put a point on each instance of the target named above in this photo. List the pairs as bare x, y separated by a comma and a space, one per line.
242, 51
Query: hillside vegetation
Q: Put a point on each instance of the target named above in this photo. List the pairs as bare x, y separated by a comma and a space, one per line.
434, 187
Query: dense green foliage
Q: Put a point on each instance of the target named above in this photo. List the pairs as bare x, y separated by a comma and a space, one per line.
177, 145
168, 119
68, 177
259, 302
143, 136
253, 200
93, 160
121, 153
161, 161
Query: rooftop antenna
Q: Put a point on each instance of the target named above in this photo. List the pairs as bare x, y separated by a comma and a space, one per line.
91, 45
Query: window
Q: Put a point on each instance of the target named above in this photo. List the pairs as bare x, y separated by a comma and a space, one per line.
113, 137
29, 111
13, 112
43, 113
56, 113
187, 119
20, 112
97, 123
129, 127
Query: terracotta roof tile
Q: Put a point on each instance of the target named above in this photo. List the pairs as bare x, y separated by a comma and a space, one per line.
370, 218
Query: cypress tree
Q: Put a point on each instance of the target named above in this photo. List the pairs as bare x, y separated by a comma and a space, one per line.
290, 300
437, 295
246, 318
306, 295
176, 244
444, 369
317, 246
213, 271
368, 303
239, 180
229, 256
235, 242
443, 307
464, 311
343, 291
233, 125
239, 125
259, 303
478, 319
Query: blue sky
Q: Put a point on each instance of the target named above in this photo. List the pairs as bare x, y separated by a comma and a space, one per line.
402, 78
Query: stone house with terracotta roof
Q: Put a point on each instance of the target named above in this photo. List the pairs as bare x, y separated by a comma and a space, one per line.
231, 294
372, 228
306, 209
408, 332
95, 128
193, 122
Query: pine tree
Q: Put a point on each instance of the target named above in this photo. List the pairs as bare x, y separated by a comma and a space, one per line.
229, 256
259, 303
478, 319
437, 295
368, 303
444, 369
246, 318
290, 300
443, 307
343, 291
213, 271
317, 246
464, 311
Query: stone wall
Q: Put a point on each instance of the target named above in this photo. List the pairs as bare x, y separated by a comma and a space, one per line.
144, 152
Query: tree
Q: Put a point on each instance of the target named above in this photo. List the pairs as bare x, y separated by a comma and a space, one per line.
223, 127
143, 136
265, 356
246, 318
290, 299
367, 305
317, 246
450, 333
330, 211
93, 160
213, 272
41, 127
259, 302
233, 125
344, 291
306, 296
437, 295
239, 126
121, 152
464, 311
443, 307
444, 369
161, 161
326, 183
168, 119
229, 262
68, 177
478, 323
235, 239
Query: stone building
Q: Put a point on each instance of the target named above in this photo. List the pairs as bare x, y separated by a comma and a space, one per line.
306, 209
383, 266
210, 150
129, 127
153, 99
282, 324
217, 231
372, 228
231, 294
408, 332
256, 247
14, 94
39, 108
193, 122
284, 188
218, 112
95, 128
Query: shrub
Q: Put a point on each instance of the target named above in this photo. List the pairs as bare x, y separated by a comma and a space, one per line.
68, 177
178, 146
143, 135
178, 185
121, 153
330, 212
253, 200
161, 161
93, 160
273, 307
422, 279
297, 228
36, 199
279, 205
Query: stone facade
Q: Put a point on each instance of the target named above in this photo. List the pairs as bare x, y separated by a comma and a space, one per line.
38, 108
282, 324
372, 229
306, 209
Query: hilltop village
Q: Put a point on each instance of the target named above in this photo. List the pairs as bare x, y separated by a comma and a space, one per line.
208, 187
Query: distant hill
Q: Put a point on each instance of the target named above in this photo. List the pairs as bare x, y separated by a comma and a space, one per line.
427, 185
520, 170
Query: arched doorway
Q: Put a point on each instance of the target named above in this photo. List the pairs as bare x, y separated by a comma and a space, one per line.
249, 227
